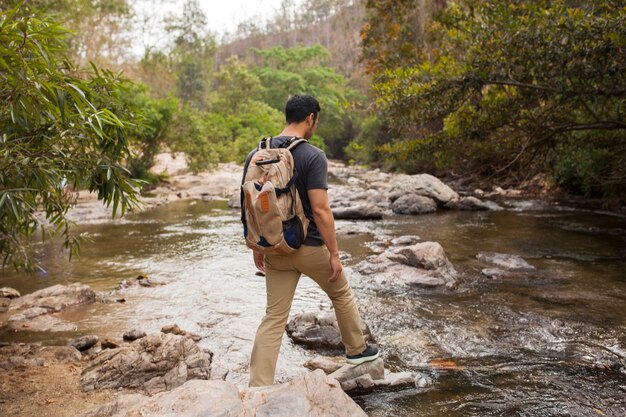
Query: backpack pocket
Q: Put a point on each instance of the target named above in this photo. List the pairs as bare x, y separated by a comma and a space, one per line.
293, 232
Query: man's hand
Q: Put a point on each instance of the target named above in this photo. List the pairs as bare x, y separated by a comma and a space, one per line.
335, 268
259, 260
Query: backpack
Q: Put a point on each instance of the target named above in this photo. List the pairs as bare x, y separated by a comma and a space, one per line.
275, 223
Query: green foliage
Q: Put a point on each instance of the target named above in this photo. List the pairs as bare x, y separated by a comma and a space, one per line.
306, 70
58, 132
506, 87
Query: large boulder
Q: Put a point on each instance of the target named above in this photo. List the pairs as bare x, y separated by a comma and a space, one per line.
56, 298
155, 363
424, 185
360, 376
424, 264
506, 261
310, 395
413, 204
470, 204
319, 330
358, 212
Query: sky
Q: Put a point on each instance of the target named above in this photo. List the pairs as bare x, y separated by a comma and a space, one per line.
225, 15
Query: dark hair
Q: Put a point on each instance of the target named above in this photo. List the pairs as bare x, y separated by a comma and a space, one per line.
299, 106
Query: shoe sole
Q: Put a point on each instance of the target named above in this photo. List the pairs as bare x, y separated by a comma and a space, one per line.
359, 361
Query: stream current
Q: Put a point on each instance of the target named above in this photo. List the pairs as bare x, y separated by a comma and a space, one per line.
550, 342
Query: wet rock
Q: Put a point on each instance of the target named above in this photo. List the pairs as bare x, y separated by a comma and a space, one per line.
56, 298
235, 200
29, 313
157, 362
407, 240
109, 344
352, 229
493, 273
413, 204
423, 264
84, 342
39, 323
361, 376
310, 395
424, 185
467, 204
423, 381
358, 212
326, 364
6, 292
400, 379
506, 261
139, 281
319, 331
133, 334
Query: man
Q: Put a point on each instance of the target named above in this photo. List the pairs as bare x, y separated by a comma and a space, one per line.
317, 258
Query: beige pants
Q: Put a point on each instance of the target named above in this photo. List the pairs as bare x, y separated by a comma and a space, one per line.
282, 275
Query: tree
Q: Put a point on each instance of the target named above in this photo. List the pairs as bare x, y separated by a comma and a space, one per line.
514, 89
57, 132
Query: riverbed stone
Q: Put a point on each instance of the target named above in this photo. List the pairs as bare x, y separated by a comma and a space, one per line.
358, 212
84, 342
325, 363
4, 304
56, 298
311, 395
319, 330
109, 344
506, 261
424, 264
15, 355
155, 363
361, 376
414, 204
406, 240
39, 323
234, 200
133, 334
422, 184
467, 204
7, 292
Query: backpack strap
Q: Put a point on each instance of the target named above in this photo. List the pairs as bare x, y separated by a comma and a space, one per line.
265, 143
295, 141
287, 187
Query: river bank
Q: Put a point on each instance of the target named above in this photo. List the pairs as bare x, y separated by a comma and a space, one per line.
481, 335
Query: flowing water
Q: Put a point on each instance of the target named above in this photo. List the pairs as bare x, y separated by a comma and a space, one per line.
548, 342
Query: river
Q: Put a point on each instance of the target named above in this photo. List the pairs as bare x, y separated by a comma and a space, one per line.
548, 342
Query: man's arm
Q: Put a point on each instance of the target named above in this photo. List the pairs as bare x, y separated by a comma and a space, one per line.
325, 223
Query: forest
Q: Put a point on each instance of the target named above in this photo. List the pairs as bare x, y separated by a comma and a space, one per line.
512, 93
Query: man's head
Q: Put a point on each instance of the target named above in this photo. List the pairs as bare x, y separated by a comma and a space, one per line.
303, 109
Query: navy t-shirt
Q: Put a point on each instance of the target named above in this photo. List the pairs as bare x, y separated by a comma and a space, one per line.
312, 167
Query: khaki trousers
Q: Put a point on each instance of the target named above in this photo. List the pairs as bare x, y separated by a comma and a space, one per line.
282, 275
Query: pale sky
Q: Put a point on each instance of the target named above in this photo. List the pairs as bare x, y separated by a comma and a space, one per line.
225, 15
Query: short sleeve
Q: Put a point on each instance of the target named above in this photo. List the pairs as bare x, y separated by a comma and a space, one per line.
317, 177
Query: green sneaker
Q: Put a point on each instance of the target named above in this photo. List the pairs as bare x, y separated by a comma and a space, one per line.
369, 354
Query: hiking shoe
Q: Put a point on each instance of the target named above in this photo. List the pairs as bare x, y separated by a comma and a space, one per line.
369, 354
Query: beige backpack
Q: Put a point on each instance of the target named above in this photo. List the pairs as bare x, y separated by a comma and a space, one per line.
275, 223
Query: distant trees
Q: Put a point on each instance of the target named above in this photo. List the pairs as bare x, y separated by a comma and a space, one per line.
505, 90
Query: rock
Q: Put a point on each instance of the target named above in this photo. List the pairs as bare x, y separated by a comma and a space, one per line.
155, 363
6, 292
352, 229
413, 204
424, 185
4, 304
23, 354
326, 364
56, 298
493, 273
29, 313
133, 334
401, 379
319, 331
310, 395
353, 376
141, 281
39, 323
359, 212
405, 240
84, 342
423, 264
235, 199
173, 329
422, 381
426, 255
506, 261
467, 204
109, 344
